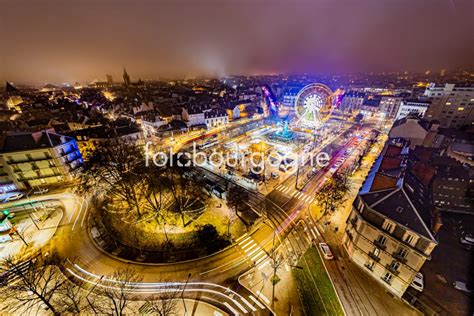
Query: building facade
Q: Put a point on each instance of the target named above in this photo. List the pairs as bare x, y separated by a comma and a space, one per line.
389, 105
391, 252
352, 100
31, 160
453, 188
452, 106
193, 116
412, 107
216, 117
391, 229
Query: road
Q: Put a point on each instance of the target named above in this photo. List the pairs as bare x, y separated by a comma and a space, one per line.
283, 211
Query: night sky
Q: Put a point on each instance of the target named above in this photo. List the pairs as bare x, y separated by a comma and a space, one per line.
68, 41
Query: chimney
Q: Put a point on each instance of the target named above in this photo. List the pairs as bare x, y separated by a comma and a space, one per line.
37, 136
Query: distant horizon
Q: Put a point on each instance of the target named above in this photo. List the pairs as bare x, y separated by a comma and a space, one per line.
136, 78
81, 40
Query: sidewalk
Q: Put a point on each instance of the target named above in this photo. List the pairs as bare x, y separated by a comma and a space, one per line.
258, 281
359, 292
34, 237
189, 308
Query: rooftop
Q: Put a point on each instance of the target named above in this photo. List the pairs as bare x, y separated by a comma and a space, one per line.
29, 141
396, 205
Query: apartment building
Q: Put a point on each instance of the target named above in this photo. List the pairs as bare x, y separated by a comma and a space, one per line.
31, 160
216, 117
388, 237
390, 232
352, 100
452, 105
389, 105
412, 107
193, 116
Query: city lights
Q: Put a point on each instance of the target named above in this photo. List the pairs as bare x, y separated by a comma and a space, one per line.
225, 158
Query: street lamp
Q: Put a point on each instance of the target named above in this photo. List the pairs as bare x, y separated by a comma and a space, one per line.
182, 295
87, 296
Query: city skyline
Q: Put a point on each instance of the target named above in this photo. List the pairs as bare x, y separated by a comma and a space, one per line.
154, 40
236, 157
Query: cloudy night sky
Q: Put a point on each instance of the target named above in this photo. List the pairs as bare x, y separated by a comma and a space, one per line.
68, 41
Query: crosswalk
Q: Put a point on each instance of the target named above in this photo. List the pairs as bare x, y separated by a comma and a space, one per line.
253, 251
295, 193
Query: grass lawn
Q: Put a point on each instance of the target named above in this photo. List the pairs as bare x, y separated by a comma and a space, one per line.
316, 292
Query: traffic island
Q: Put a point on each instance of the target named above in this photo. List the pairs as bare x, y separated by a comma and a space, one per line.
153, 242
317, 294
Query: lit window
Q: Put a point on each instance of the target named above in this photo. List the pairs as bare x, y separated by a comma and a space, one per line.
402, 252
460, 109
387, 277
387, 226
409, 239
395, 265
381, 240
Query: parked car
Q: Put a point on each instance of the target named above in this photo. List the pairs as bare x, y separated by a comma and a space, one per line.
275, 175
418, 282
463, 287
326, 251
14, 197
467, 240
41, 191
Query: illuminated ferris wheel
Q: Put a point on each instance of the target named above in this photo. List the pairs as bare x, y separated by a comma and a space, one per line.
313, 105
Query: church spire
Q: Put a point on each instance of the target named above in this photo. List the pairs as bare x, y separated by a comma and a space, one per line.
126, 77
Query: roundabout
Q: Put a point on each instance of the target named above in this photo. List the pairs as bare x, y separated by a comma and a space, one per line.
210, 274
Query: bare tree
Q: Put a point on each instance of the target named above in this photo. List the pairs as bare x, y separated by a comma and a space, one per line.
229, 220
34, 283
118, 290
186, 195
332, 194
165, 303
154, 194
236, 197
276, 261
72, 298
118, 168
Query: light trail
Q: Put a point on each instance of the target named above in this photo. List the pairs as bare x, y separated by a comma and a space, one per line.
146, 287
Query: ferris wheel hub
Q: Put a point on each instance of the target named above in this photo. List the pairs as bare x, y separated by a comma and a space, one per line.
313, 105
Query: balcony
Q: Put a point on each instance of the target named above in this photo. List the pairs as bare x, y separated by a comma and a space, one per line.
392, 270
399, 257
16, 162
389, 281
374, 256
379, 244
349, 235
354, 222
69, 150
73, 158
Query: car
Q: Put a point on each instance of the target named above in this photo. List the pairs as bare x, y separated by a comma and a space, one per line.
418, 282
275, 175
14, 197
326, 251
41, 191
467, 240
463, 287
